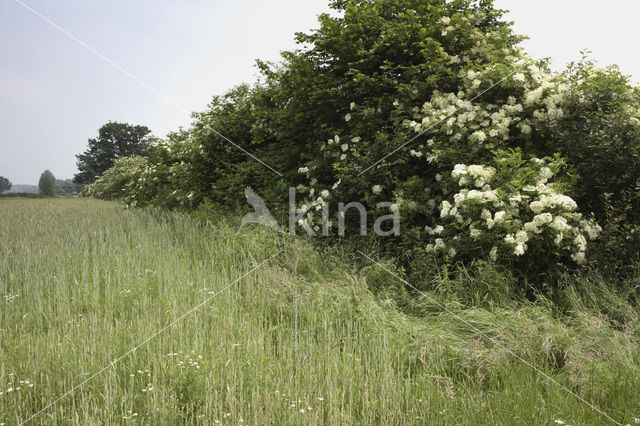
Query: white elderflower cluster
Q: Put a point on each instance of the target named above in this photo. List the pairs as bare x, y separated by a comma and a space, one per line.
538, 222
545, 174
553, 201
478, 136
474, 175
459, 120
434, 231
508, 223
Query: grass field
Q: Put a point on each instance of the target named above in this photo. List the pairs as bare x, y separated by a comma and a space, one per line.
109, 316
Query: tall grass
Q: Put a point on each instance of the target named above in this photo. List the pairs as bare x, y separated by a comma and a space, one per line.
303, 339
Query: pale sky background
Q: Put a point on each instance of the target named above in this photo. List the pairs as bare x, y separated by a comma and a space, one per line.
55, 93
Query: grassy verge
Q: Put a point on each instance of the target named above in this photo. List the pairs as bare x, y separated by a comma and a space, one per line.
302, 339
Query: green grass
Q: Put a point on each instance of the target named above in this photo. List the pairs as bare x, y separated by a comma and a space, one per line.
20, 195
300, 340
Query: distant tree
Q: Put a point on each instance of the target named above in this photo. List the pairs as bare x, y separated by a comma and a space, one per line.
47, 184
67, 186
5, 184
115, 140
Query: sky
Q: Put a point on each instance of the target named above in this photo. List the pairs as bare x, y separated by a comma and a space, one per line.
153, 62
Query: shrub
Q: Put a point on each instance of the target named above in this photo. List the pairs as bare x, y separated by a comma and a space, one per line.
118, 181
512, 214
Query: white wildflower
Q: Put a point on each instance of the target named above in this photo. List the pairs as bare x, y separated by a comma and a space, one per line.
478, 136
522, 237
533, 96
493, 254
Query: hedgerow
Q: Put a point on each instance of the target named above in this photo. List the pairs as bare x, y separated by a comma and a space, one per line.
432, 105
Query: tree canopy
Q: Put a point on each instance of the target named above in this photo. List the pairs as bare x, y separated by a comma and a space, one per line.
115, 140
5, 184
47, 184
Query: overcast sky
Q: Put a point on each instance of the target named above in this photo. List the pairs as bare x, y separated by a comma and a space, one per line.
55, 93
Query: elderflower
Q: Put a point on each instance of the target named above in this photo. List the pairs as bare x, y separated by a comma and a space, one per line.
446, 206
579, 257
522, 237
553, 201
533, 96
493, 254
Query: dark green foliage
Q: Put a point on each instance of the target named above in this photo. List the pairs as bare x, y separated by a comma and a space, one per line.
21, 195
47, 184
114, 140
5, 184
600, 136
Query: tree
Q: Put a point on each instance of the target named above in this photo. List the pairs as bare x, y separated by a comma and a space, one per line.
47, 184
5, 184
67, 186
115, 140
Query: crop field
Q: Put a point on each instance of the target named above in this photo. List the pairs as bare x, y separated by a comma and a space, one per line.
111, 315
